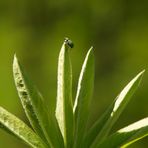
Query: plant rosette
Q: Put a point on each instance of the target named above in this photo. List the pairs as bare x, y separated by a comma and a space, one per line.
67, 127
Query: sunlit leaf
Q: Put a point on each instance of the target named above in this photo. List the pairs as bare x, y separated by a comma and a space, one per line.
64, 107
83, 96
43, 122
18, 128
103, 126
127, 135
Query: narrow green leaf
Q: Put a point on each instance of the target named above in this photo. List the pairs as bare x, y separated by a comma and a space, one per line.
64, 107
127, 135
96, 128
103, 126
83, 97
43, 122
18, 128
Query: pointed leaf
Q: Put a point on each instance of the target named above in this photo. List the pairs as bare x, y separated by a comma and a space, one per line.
43, 122
18, 128
127, 135
83, 97
103, 126
64, 107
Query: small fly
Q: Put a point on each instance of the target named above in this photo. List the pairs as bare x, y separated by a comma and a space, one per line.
69, 42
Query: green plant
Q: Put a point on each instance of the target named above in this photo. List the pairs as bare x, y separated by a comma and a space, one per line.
67, 127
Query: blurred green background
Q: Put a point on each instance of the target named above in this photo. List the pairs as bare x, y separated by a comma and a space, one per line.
35, 30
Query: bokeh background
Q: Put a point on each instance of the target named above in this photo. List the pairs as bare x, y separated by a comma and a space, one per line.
35, 30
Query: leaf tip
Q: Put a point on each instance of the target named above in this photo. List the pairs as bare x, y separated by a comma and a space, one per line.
15, 59
90, 51
141, 74
16, 65
143, 71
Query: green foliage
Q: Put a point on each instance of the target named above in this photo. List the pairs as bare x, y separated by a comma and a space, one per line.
83, 96
112, 114
67, 127
43, 122
64, 110
15, 126
127, 135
